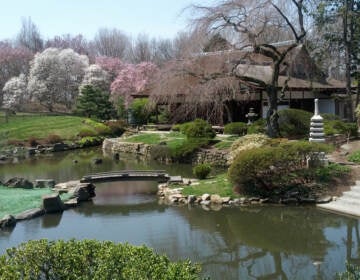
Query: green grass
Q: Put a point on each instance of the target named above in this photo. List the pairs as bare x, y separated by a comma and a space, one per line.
21, 127
14, 200
218, 184
355, 157
225, 142
173, 140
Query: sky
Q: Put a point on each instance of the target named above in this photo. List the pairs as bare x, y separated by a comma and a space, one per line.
157, 18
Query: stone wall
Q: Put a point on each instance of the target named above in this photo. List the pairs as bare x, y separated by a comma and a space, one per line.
215, 157
115, 146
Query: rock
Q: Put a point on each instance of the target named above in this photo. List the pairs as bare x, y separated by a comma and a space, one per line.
97, 161
59, 147
31, 151
84, 191
191, 199
243, 200
75, 161
290, 200
216, 199
205, 197
254, 199
264, 200
44, 183
19, 183
3, 157
8, 221
307, 200
205, 202
226, 199
52, 203
324, 199
64, 187
29, 214
71, 203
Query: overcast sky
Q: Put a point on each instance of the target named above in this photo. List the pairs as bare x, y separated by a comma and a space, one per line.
157, 18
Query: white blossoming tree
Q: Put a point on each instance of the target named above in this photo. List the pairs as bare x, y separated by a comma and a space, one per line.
96, 77
15, 93
55, 76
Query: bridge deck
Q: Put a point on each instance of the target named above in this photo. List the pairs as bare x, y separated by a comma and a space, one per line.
126, 175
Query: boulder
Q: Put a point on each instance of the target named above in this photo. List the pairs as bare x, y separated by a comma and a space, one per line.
52, 203
31, 151
19, 183
205, 196
216, 199
44, 183
84, 191
8, 221
59, 147
3, 157
324, 199
191, 199
226, 199
97, 161
71, 203
65, 187
29, 214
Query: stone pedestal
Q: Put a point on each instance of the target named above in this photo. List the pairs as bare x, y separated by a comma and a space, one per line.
317, 126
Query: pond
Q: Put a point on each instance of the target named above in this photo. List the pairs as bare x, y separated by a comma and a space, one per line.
262, 242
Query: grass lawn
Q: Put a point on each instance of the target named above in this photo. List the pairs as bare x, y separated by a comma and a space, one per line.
225, 142
218, 184
14, 200
22, 127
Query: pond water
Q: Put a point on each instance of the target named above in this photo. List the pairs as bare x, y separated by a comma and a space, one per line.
268, 242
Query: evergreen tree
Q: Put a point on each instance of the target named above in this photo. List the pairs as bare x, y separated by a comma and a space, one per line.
94, 103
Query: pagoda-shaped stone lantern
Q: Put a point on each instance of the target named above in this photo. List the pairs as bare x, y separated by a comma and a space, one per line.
317, 126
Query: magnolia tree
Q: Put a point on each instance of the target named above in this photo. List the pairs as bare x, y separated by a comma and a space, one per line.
13, 62
96, 77
55, 76
15, 93
132, 79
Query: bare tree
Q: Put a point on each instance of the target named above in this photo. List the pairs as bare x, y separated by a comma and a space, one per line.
29, 36
141, 49
111, 43
67, 41
246, 21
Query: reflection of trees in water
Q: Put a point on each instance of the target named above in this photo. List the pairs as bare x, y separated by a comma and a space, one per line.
352, 242
262, 242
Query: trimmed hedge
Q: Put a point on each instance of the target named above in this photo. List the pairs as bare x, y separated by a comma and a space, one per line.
197, 129
201, 171
237, 128
90, 259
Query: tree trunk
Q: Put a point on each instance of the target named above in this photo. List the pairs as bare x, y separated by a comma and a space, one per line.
272, 116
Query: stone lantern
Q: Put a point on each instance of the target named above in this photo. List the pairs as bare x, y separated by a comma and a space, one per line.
251, 116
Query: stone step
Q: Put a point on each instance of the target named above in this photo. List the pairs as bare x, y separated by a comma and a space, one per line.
355, 189
341, 208
351, 194
347, 201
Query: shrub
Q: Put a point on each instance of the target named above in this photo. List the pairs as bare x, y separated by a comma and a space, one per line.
259, 126
260, 170
334, 170
53, 139
160, 152
140, 112
197, 129
201, 171
90, 259
294, 123
238, 128
176, 127
187, 148
90, 141
355, 157
332, 127
117, 127
103, 129
33, 141
87, 132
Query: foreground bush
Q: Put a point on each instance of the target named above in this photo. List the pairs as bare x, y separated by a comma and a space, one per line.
237, 128
90, 259
355, 157
201, 171
294, 123
261, 170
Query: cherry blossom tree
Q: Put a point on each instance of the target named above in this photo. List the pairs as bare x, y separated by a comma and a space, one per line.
112, 65
96, 77
55, 76
133, 79
15, 93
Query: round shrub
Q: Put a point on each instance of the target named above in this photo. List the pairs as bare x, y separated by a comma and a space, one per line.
294, 123
53, 139
90, 259
259, 126
117, 127
237, 128
198, 129
332, 127
90, 141
201, 171
260, 170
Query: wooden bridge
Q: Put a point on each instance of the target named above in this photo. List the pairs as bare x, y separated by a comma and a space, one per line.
127, 175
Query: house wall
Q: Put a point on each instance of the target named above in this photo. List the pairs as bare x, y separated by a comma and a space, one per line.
326, 106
